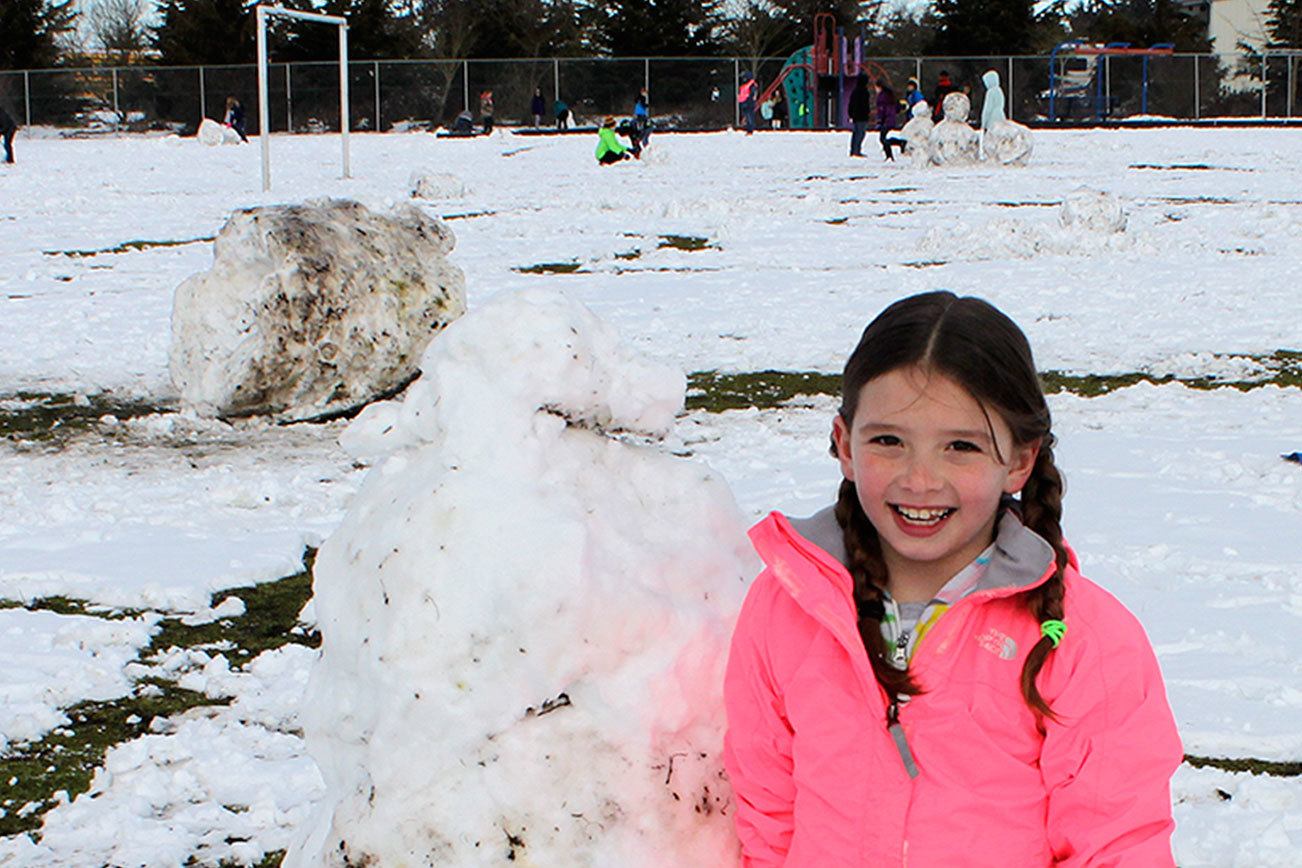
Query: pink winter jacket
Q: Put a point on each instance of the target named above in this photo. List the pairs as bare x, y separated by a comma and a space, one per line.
819, 781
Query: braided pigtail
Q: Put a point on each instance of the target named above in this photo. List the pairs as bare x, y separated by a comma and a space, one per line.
864, 553
1042, 513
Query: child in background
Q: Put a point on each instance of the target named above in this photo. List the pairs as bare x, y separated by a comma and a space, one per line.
537, 107
561, 109
8, 126
235, 117
921, 674
609, 150
486, 110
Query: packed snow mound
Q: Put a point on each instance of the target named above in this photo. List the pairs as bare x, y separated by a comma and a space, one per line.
212, 133
433, 186
917, 134
953, 141
312, 310
1092, 211
1078, 232
1007, 143
525, 614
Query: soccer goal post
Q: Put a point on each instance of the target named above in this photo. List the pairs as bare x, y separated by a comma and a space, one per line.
264, 109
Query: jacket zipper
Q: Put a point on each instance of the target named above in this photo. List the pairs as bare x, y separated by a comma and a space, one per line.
900, 739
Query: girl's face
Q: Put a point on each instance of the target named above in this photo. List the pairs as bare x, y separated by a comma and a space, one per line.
928, 471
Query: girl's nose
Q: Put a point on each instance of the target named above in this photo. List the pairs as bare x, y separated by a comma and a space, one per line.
919, 475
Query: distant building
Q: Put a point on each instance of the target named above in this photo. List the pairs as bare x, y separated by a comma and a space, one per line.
1230, 22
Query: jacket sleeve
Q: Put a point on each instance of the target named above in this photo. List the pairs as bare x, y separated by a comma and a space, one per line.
757, 747
1108, 759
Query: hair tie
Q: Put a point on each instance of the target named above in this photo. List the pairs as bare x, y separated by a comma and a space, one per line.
1054, 629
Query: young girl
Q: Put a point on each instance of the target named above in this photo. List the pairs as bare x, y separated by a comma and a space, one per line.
921, 676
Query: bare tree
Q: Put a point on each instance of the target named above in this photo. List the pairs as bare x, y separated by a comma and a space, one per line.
117, 27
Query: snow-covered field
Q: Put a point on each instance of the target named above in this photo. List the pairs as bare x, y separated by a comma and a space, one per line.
1177, 501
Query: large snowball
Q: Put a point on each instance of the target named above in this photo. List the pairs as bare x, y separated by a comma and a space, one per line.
313, 309
525, 614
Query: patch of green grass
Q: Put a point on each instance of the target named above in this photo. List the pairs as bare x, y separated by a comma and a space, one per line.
54, 417
1255, 766
270, 620
65, 760
549, 268
686, 242
715, 392
129, 247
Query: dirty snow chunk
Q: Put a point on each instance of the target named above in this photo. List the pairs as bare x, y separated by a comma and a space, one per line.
312, 309
1007, 143
953, 141
525, 614
436, 185
1093, 211
53, 661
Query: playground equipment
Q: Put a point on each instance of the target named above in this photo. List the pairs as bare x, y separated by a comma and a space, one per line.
817, 79
1075, 79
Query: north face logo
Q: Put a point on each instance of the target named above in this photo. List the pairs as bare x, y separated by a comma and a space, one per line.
1002, 646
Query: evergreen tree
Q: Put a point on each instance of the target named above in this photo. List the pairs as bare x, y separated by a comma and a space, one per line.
193, 32
375, 32
798, 16
1139, 22
1284, 23
984, 27
655, 28
32, 32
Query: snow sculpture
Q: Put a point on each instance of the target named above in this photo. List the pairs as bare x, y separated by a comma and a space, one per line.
210, 132
953, 141
436, 185
1002, 141
1007, 143
1092, 211
525, 614
311, 310
917, 132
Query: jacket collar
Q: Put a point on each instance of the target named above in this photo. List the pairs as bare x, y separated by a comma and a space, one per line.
808, 557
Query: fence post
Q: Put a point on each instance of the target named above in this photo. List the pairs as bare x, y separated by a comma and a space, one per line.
377, 97
1292, 85
1198, 91
1009, 101
289, 103
1107, 87
1263, 85
465, 83
27, 96
117, 113
736, 107
917, 72
646, 77
556, 77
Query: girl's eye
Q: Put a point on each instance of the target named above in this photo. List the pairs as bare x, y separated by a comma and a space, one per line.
964, 446
885, 440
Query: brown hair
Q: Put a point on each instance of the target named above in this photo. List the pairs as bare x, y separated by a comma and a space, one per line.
972, 343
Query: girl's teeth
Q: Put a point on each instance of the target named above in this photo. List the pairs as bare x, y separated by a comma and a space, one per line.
929, 516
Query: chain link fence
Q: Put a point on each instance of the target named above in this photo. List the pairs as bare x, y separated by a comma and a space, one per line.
687, 93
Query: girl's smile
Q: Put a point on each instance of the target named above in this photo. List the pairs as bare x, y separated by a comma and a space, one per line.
930, 466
